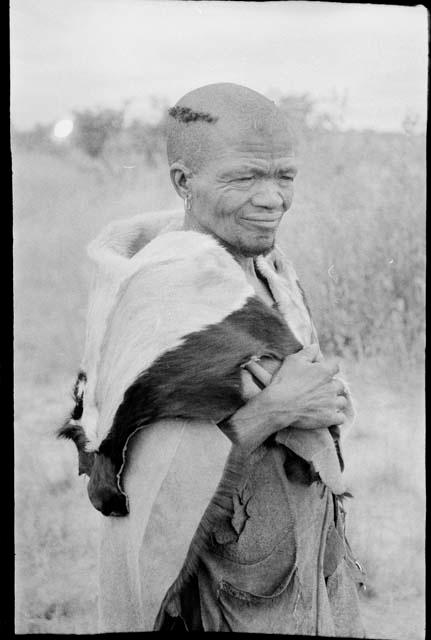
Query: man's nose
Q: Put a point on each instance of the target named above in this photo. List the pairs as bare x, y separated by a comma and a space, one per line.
269, 196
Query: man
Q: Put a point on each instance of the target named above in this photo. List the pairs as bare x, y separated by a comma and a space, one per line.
230, 528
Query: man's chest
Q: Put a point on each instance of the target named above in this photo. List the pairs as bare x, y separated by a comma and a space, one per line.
261, 289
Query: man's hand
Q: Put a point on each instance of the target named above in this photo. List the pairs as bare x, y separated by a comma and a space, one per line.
302, 393
307, 391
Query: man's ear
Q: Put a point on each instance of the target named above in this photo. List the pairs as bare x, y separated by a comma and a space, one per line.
180, 176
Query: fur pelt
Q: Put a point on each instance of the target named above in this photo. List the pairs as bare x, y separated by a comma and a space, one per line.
166, 338
201, 379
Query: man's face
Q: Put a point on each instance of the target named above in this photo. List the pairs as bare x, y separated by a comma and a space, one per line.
242, 191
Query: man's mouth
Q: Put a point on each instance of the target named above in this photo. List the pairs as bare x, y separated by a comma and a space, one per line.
267, 222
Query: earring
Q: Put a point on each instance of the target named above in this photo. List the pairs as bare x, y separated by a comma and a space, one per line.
188, 203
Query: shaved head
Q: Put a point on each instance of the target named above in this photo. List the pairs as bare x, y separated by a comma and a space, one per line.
231, 160
215, 115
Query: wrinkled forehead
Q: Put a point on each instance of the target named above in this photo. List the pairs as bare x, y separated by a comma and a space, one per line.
264, 138
236, 141
202, 131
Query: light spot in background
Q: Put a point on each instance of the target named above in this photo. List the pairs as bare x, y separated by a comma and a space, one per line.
63, 128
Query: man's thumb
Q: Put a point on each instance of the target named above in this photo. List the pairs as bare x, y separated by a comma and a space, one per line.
310, 353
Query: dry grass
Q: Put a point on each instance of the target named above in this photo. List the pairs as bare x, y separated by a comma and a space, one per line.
385, 467
60, 204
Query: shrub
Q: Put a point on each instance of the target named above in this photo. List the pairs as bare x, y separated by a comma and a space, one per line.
93, 129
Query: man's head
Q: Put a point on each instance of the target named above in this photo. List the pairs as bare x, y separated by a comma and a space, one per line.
230, 154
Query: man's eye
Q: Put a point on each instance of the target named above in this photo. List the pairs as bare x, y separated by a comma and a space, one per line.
286, 177
243, 179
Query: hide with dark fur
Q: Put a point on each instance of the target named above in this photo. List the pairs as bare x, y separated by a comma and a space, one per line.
198, 380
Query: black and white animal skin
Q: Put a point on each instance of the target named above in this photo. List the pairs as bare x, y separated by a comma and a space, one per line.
199, 377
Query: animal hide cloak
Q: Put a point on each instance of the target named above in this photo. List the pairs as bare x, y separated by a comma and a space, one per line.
171, 320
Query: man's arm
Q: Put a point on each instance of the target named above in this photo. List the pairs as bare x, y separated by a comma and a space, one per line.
302, 392
174, 468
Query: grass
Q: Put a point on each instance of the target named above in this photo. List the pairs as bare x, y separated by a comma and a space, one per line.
385, 467
60, 204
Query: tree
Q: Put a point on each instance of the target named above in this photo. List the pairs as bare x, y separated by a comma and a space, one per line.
93, 129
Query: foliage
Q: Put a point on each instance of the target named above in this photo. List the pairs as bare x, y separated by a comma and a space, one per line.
92, 129
357, 236
148, 140
38, 138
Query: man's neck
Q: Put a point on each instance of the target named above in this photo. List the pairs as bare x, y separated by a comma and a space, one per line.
245, 262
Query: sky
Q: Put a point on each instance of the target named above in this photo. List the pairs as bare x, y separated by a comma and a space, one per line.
74, 54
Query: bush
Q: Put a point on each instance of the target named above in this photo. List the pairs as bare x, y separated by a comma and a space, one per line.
93, 129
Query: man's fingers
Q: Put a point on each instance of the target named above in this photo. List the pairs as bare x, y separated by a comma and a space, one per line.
249, 387
338, 386
338, 418
334, 369
328, 373
330, 418
258, 372
324, 419
340, 402
309, 353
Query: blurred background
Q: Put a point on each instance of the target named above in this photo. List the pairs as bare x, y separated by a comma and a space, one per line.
90, 84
